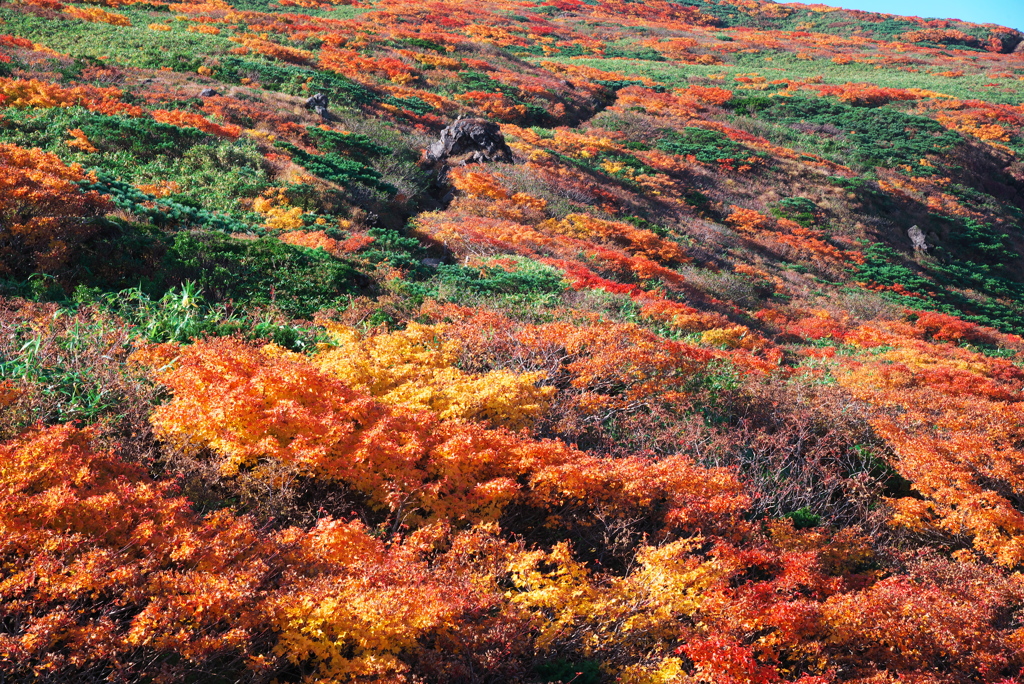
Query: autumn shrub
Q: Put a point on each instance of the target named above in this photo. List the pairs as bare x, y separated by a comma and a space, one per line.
45, 214
408, 464
733, 287
36, 94
416, 368
676, 398
127, 581
958, 397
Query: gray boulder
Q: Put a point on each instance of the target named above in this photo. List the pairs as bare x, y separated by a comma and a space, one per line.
319, 104
917, 238
479, 138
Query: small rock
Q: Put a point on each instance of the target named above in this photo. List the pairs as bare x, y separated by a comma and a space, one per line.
917, 238
208, 92
431, 263
483, 139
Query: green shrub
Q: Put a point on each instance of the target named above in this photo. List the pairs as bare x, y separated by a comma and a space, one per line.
295, 80
981, 241
942, 293
799, 209
142, 139
352, 143
582, 672
77, 371
865, 137
527, 277
263, 272
335, 169
161, 212
182, 314
213, 173
134, 46
803, 518
707, 146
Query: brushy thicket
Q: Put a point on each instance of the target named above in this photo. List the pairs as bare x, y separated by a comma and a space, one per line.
672, 399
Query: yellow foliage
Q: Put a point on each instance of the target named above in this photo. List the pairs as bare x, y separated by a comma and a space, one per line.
668, 671
162, 188
415, 368
279, 213
202, 28
635, 612
733, 337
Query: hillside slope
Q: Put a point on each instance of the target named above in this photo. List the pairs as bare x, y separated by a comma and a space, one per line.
712, 375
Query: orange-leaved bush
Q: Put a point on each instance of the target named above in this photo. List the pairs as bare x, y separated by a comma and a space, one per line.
104, 570
44, 214
251, 406
952, 418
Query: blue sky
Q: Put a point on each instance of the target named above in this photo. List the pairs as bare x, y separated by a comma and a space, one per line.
1005, 12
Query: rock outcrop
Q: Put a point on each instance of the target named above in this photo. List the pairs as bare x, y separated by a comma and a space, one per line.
1010, 42
480, 139
917, 239
319, 104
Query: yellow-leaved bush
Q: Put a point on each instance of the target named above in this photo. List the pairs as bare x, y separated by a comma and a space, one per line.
415, 367
250, 407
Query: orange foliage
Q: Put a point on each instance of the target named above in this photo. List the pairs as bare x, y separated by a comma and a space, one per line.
762, 228
275, 51
354, 65
865, 95
80, 141
494, 105
278, 408
956, 436
97, 15
536, 483
177, 117
44, 213
316, 239
35, 93
108, 563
